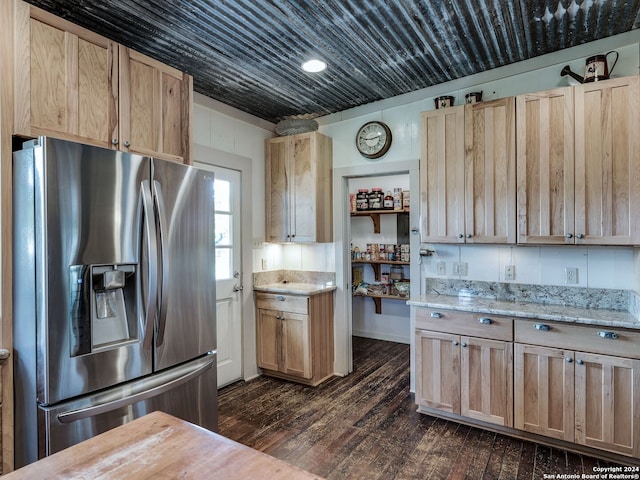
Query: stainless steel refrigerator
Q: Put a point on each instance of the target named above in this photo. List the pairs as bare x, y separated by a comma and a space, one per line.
114, 293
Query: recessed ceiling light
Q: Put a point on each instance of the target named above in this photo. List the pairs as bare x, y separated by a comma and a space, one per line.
314, 66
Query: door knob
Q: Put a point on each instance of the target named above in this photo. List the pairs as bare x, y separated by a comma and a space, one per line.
237, 288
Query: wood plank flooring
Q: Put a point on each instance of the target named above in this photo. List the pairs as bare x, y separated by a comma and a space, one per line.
365, 426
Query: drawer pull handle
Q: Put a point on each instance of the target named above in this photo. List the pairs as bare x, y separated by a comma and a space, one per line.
611, 335
543, 327
280, 298
436, 315
485, 320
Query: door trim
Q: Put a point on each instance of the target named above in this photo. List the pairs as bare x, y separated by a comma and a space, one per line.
218, 158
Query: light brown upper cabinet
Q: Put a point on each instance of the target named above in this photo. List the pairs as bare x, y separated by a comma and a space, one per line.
467, 173
578, 167
74, 84
299, 188
155, 107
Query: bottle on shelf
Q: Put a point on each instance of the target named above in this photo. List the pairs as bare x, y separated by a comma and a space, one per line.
388, 201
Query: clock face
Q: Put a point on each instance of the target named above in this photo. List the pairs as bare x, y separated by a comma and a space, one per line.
373, 139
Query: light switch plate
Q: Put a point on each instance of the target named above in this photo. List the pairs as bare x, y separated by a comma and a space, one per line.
460, 268
442, 268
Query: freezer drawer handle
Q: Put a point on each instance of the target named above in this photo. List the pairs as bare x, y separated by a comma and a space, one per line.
611, 335
74, 415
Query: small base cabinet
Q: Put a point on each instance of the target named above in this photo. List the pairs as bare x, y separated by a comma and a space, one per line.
588, 395
459, 371
295, 336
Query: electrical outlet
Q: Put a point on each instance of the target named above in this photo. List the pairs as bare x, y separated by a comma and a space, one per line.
442, 268
509, 272
570, 275
264, 263
460, 268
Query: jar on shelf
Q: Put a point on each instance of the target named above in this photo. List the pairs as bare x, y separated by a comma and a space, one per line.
362, 199
376, 199
397, 198
396, 273
388, 201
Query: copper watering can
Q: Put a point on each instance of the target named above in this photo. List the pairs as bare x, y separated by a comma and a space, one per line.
596, 69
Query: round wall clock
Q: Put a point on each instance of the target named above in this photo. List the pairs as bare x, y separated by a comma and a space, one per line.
373, 139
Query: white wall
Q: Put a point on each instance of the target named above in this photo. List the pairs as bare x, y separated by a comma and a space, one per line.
598, 267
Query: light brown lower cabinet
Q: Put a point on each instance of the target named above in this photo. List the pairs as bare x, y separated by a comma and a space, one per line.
587, 398
462, 374
295, 336
522, 378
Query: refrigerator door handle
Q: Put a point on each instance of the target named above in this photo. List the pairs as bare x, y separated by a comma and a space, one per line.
162, 214
81, 413
152, 257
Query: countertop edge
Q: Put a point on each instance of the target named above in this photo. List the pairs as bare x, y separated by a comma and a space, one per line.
535, 311
294, 289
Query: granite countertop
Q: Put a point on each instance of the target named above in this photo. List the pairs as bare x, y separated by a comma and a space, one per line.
293, 288
539, 311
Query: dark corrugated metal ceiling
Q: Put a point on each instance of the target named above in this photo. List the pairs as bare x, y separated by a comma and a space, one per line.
247, 53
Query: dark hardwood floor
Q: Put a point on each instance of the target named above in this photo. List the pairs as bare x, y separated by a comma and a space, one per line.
365, 426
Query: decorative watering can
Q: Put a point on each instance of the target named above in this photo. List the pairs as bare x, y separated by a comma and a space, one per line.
596, 68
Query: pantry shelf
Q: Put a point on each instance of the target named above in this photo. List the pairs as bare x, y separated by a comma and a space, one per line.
375, 216
375, 264
377, 299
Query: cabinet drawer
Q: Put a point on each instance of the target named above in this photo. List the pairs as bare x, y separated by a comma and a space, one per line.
569, 336
494, 327
283, 303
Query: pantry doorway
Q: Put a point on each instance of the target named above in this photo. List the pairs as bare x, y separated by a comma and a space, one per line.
344, 180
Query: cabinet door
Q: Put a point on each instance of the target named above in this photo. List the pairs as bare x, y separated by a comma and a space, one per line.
442, 175
268, 330
607, 406
303, 188
545, 163
490, 172
155, 108
607, 160
277, 189
486, 380
543, 391
438, 370
296, 345
68, 85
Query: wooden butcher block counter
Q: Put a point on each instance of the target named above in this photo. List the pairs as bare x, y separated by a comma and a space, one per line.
160, 446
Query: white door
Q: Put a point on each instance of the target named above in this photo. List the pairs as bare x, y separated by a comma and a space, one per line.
228, 273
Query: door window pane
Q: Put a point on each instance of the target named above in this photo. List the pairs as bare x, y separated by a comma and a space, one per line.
222, 195
223, 229
223, 263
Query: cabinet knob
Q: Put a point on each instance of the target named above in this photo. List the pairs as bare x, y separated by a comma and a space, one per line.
127, 144
485, 320
580, 362
436, 315
460, 235
609, 335
456, 343
569, 235
469, 235
464, 344
280, 298
580, 235
569, 359
542, 327
114, 141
